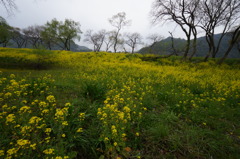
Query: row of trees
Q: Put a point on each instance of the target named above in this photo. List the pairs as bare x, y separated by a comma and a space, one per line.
194, 16
62, 34
54, 33
114, 38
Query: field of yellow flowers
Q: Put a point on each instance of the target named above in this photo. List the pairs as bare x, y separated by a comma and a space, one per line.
60, 105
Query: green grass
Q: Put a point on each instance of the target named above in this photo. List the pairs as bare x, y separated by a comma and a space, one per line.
192, 108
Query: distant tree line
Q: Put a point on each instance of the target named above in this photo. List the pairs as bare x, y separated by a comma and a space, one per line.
63, 33
53, 33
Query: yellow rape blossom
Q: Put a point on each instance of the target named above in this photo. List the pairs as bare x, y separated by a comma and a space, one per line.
10, 119
33, 146
42, 104
7, 95
25, 129
47, 139
12, 151
80, 130
34, 120
24, 109
126, 109
1, 152
121, 115
114, 130
12, 76
22, 142
82, 116
124, 135
48, 130
65, 123
48, 151
51, 99
45, 111
67, 105
60, 113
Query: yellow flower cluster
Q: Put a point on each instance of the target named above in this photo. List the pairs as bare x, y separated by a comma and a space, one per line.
23, 142
122, 109
82, 116
51, 99
32, 120
10, 119
48, 151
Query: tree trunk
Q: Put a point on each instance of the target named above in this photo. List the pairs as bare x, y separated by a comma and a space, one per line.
115, 46
214, 52
132, 50
235, 36
194, 47
210, 47
116, 40
207, 56
187, 48
225, 55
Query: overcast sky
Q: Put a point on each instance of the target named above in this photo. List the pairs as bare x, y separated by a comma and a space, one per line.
92, 14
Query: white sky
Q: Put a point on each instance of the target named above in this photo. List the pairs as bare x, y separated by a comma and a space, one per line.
92, 14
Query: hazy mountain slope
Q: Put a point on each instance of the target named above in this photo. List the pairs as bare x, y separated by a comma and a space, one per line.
164, 47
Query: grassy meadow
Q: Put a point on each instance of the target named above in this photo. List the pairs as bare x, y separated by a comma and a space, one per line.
60, 105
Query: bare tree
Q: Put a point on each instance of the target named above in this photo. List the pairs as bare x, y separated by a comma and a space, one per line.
122, 44
218, 13
154, 38
33, 33
9, 5
96, 39
18, 37
132, 40
100, 36
118, 21
182, 12
173, 46
109, 40
235, 36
